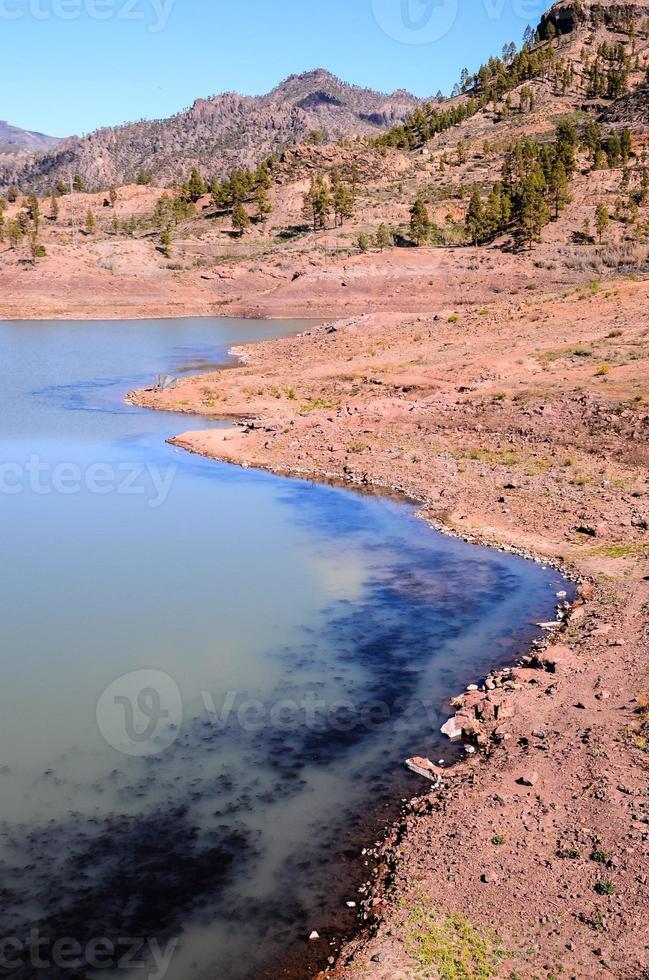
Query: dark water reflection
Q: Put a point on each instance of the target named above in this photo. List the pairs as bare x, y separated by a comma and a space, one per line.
311, 636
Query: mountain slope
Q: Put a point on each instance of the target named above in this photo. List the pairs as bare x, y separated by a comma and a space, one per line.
13, 139
632, 109
220, 133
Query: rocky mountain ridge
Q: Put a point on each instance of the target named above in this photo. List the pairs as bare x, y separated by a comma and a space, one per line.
13, 139
219, 133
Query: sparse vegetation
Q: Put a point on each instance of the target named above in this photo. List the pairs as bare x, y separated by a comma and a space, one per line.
605, 888
451, 945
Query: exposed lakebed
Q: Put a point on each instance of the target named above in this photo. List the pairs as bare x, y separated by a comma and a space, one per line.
210, 675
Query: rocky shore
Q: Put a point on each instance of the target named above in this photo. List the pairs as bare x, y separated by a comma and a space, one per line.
522, 424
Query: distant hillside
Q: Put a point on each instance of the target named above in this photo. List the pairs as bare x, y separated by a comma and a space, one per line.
220, 133
13, 139
585, 60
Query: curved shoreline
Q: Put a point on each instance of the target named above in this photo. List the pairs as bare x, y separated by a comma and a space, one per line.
327, 365
385, 851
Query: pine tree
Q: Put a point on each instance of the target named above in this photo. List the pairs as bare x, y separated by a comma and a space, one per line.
475, 219
15, 233
601, 220
343, 202
240, 219
558, 187
599, 160
34, 211
496, 214
22, 220
363, 242
534, 212
644, 187
262, 175
112, 194
420, 224
36, 250
195, 186
384, 237
91, 224
317, 203
54, 206
614, 150
166, 242
626, 145
262, 203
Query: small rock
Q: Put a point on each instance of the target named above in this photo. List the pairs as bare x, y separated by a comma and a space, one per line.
528, 779
489, 879
603, 696
314, 936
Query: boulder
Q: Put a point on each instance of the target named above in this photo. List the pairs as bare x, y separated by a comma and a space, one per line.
557, 658
472, 699
452, 728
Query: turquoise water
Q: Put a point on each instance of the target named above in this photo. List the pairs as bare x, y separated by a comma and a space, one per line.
211, 677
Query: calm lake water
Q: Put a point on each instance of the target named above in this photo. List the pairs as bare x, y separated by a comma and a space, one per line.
209, 675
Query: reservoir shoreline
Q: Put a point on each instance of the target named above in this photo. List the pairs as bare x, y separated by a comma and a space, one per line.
340, 403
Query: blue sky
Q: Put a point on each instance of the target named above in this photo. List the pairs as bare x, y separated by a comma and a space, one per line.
71, 66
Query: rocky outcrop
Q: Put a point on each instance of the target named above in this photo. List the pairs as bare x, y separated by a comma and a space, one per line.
631, 110
567, 16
